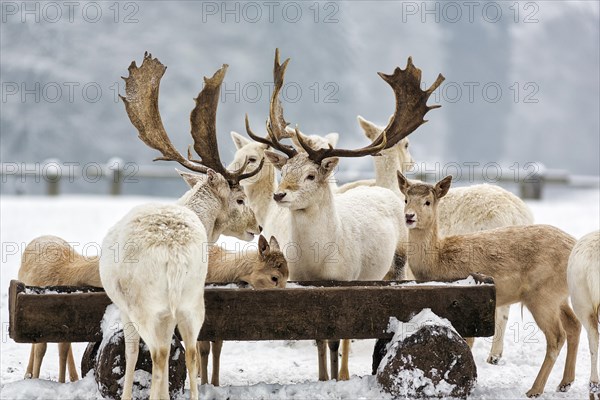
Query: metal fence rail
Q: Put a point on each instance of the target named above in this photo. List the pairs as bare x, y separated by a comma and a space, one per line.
117, 173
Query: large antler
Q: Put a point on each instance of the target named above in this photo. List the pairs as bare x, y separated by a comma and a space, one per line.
411, 107
204, 129
276, 123
411, 102
141, 103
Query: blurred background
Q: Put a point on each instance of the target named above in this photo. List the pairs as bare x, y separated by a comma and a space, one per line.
522, 84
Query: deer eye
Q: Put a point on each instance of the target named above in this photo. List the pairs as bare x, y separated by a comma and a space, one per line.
252, 159
427, 203
240, 202
310, 177
406, 146
405, 201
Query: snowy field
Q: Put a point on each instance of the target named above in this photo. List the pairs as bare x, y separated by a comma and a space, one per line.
271, 370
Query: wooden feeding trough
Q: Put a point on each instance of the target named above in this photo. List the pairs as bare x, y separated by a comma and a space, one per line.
302, 311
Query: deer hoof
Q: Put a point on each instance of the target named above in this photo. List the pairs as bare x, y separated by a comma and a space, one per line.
532, 394
564, 387
494, 359
344, 376
594, 391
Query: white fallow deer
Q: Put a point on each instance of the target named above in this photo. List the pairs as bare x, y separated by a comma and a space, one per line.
463, 210
260, 188
51, 261
153, 263
583, 275
263, 268
528, 264
351, 236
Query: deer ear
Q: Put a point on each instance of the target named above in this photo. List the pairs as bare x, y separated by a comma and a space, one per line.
274, 244
403, 183
371, 130
328, 165
212, 176
332, 138
263, 247
278, 160
442, 187
239, 140
190, 179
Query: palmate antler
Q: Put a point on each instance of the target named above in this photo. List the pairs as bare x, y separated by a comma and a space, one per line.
276, 123
411, 107
141, 103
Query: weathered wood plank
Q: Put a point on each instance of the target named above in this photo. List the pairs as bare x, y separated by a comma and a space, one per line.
322, 310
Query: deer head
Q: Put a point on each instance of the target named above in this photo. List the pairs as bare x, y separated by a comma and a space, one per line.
304, 175
400, 151
141, 103
272, 270
421, 200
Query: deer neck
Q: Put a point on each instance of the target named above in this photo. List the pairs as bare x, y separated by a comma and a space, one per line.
260, 193
85, 271
386, 169
424, 251
229, 266
207, 207
319, 224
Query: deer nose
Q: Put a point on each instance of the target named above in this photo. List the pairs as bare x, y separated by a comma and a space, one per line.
279, 196
260, 229
410, 216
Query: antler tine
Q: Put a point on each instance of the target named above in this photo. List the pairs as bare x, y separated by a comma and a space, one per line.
141, 103
318, 155
276, 123
203, 121
204, 129
411, 102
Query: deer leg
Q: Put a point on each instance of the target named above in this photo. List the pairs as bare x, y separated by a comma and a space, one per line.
498, 340
73, 376
321, 348
132, 348
63, 352
204, 351
217, 345
334, 346
29, 371
591, 325
547, 318
40, 351
344, 372
573, 328
189, 328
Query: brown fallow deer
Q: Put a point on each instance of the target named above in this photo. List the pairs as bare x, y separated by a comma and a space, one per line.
528, 264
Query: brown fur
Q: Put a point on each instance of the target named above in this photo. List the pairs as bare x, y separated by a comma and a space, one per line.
528, 264
262, 269
51, 261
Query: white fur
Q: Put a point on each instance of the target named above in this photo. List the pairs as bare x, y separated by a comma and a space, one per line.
583, 276
349, 236
153, 267
260, 188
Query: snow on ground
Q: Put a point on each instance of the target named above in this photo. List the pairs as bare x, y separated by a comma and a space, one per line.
271, 370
